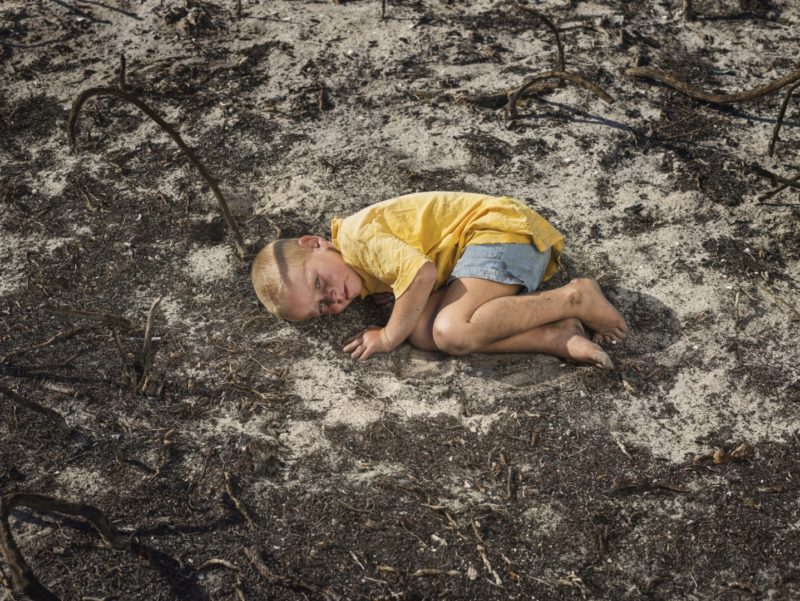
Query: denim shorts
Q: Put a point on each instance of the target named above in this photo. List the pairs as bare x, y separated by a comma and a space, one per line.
520, 264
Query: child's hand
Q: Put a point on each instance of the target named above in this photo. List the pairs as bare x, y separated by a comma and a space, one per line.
367, 342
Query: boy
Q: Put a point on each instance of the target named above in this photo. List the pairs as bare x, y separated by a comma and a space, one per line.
461, 267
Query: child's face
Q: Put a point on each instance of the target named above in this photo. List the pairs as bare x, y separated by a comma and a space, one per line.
324, 285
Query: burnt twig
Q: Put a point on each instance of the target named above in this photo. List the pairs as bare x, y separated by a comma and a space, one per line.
121, 74
621, 485
781, 114
239, 505
780, 188
147, 351
55, 416
698, 94
166, 448
211, 181
514, 96
254, 555
21, 574
688, 11
115, 321
553, 28
426, 572
778, 179
216, 562
125, 359
52, 340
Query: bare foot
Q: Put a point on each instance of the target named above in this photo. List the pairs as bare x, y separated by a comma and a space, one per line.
579, 348
595, 311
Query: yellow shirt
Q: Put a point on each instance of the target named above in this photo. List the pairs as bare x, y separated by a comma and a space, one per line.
387, 243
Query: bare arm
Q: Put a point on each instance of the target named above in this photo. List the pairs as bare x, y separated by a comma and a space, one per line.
405, 314
409, 305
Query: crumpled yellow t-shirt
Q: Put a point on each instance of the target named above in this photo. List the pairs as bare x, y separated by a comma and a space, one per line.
387, 243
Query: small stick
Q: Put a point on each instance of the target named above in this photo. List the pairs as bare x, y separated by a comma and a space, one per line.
383, 9
510, 483
780, 188
553, 28
124, 356
781, 114
434, 572
166, 445
74, 113
688, 11
21, 573
52, 340
698, 94
239, 505
786, 182
482, 552
215, 562
147, 351
621, 446
107, 318
254, 555
56, 417
121, 75
514, 96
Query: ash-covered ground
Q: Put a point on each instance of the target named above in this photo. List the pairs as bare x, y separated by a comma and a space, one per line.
239, 457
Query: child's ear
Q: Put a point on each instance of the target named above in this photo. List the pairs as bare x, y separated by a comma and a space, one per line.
313, 242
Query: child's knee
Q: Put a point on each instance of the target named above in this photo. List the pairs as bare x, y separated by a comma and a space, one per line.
449, 337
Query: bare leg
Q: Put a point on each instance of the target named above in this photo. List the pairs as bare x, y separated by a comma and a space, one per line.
475, 313
564, 338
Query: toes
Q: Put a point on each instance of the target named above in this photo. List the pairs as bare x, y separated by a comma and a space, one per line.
604, 362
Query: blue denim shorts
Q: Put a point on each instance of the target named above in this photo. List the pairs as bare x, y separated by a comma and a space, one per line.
520, 264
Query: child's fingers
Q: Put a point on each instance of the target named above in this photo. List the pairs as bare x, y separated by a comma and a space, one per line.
352, 343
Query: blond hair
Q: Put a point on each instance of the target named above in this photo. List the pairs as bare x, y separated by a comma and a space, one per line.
271, 271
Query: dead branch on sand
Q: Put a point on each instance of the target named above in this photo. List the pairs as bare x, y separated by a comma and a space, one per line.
109, 319
779, 179
254, 555
50, 341
702, 95
211, 181
147, 351
53, 415
514, 96
237, 503
21, 574
781, 114
552, 26
688, 11
793, 182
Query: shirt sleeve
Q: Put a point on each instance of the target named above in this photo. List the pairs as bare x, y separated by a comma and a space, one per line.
392, 261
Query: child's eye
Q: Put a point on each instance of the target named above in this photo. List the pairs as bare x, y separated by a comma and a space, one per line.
317, 284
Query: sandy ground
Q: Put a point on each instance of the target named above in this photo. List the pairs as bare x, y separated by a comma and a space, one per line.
514, 476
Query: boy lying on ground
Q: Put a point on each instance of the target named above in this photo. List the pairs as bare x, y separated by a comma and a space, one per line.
462, 269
